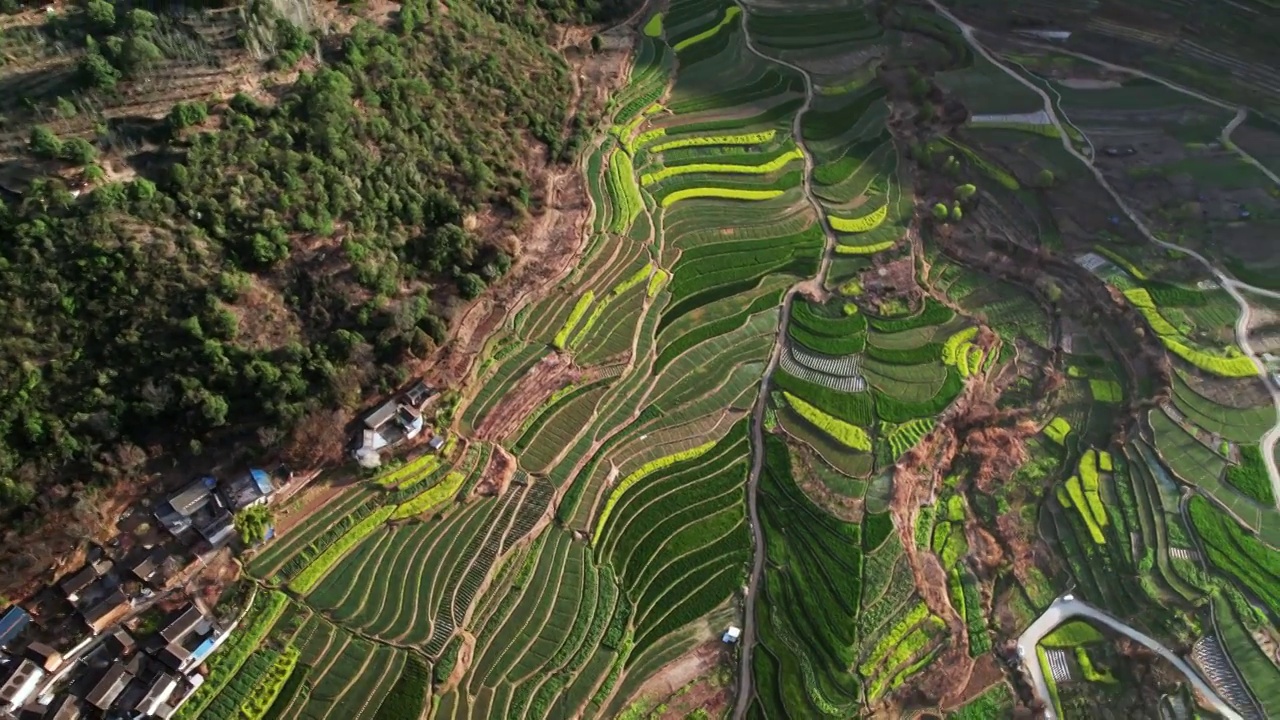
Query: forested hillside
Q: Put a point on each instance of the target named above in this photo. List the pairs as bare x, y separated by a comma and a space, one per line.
221, 273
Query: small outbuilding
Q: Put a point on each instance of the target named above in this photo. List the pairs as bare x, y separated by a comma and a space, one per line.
732, 634
12, 623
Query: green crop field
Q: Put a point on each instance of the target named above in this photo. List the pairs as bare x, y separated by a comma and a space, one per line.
813, 320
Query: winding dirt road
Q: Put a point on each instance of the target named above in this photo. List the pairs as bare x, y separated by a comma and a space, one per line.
747, 641
1067, 607
1228, 283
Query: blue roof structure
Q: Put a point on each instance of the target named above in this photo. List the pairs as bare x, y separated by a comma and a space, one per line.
203, 649
262, 480
13, 623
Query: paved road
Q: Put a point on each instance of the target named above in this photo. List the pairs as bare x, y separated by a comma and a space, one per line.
1067, 607
1228, 283
747, 642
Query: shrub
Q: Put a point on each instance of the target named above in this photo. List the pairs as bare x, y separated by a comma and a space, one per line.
846, 434
448, 660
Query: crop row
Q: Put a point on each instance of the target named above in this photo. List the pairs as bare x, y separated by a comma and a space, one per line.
773, 165
899, 632
575, 316
918, 355
1106, 391
432, 496
573, 496
933, 313
1250, 476
905, 436
949, 542
639, 474
846, 434
551, 408
729, 14
855, 156
808, 614
307, 579
821, 125
770, 83
833, 367
862, 224
1236, 553
624, 192
1090, 507
718, 193
336, 529
407, 697
227, 705
898, 410
768, 117
806, 314
267, 607
854, 408
751, 138
268, 688
835, 346
868, 249
706, 331
1057, 430
917, 640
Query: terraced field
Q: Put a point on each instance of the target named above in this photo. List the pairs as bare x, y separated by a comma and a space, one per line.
827, 371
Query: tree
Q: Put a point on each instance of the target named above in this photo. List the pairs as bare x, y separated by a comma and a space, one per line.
470, 285
78, 151
1044, 178
141, 21
252, 524
96, 71
966, 191
940, 212
956, 213
44, 143
102, 14
185, 114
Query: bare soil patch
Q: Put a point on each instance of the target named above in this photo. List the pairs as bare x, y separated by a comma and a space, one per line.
553, 372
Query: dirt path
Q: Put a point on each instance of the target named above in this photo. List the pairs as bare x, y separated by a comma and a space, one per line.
757, 414
1228, 283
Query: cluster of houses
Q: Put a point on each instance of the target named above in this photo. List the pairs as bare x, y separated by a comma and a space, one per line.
100, 645
117, 638
111, 672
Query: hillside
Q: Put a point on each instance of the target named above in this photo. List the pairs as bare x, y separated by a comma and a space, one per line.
220, 223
